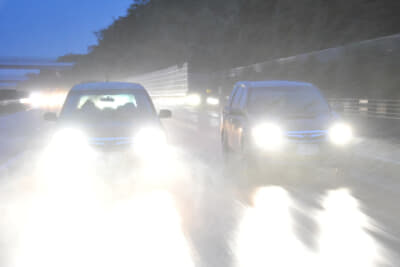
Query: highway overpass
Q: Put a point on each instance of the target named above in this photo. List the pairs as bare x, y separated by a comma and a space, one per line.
14, 70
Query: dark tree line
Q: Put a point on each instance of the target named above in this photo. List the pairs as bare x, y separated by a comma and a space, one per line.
220, 34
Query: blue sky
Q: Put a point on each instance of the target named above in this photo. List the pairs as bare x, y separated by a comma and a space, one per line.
52, 28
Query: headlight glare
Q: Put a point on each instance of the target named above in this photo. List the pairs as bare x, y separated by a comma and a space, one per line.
213, 101
68, 138
193, 100
149, 140
267, 136
340, 134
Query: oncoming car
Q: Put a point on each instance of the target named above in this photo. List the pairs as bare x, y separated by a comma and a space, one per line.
282, 120
108, 116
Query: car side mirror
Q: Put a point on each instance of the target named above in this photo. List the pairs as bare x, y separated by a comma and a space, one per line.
165, 114
50, 116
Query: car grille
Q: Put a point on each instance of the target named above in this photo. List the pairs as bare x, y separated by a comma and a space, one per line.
307, 136
110, 142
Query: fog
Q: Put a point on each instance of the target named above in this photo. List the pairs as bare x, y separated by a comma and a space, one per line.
305, 173
185, 208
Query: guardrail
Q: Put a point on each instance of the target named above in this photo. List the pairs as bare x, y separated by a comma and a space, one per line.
11, 106
172, 81
373, 108
9, 101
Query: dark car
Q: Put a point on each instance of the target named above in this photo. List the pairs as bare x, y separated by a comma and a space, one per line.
109, 116
281, 120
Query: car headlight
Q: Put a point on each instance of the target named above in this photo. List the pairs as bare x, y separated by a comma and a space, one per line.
267, 136
340, 134
213, 101
193, 100
68, 139
68, 145
149, 140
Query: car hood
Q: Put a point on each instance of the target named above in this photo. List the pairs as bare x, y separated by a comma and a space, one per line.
297, 122
110, 129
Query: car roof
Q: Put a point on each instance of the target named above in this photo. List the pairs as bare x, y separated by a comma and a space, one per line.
107, 86
255, 84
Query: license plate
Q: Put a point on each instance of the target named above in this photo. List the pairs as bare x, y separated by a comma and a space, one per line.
307, 149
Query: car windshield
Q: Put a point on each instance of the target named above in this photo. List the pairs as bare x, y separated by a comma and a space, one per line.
288, 101
106, 105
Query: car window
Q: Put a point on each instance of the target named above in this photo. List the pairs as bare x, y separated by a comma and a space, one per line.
243, 99
288, 101
236, 100
106, 105
232, 96
107, 101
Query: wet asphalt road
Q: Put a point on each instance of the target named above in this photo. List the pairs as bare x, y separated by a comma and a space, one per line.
288, 216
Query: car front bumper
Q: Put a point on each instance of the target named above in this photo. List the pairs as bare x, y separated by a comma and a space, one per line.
293, 153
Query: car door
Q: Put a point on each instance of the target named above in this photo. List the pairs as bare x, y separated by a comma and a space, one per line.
226, 122
235, 120
239, 119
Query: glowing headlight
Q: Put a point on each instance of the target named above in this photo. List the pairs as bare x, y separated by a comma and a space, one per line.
340, 134
149, 140
193, 100
213, 101
36, 99
68, 138
267, 136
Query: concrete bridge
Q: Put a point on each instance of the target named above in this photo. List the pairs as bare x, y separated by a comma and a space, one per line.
14, 70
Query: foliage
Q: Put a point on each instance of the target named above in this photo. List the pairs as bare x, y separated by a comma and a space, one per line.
216, 34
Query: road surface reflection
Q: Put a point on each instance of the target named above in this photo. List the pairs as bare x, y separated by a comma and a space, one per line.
266, 235
72, 217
